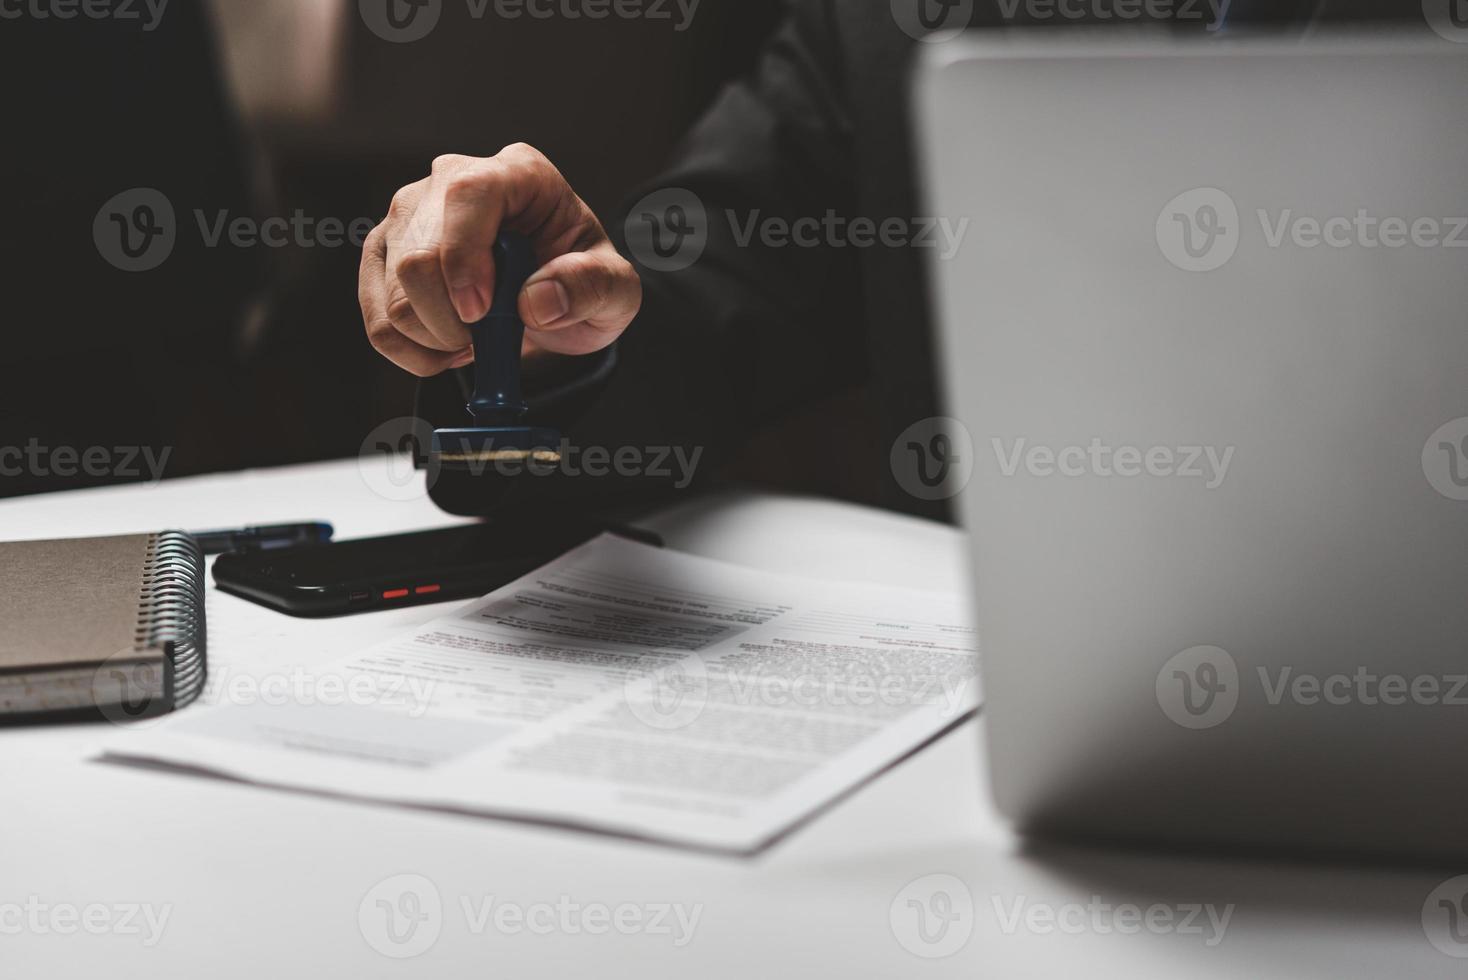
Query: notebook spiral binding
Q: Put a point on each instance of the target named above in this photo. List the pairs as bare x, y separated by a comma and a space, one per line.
171, 612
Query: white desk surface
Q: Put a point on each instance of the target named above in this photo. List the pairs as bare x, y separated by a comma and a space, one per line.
268, 883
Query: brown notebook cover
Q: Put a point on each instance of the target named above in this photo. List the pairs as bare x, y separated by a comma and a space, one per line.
110, 627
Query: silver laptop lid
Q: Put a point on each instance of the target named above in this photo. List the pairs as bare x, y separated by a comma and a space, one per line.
1208, 339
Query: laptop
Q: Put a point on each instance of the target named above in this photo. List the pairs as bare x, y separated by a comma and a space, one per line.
1206, 353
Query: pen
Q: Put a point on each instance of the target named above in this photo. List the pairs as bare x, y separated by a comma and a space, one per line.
264, 538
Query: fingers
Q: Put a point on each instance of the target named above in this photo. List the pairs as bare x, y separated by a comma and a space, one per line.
581, 301
429, 268
382, 332
518, 185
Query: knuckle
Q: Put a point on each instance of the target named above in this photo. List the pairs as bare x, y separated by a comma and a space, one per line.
523, 153
416, 266
467, 187
379, 329
402, 206
447, 163
529, 161
596, 282
476, 187
400, 313
622, 270
374, 239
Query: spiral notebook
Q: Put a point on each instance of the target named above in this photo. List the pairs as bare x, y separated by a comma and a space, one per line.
100, 627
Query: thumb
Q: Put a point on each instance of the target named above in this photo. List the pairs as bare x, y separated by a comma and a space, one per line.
596, 288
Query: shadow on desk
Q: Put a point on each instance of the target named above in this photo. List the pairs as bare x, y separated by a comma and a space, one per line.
1328, 888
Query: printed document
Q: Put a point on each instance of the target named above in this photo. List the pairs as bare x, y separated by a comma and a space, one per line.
622, 688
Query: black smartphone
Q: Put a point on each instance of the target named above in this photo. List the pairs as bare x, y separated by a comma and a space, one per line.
369, 574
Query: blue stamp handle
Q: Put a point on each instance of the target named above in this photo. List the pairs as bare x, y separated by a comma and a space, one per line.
498, 400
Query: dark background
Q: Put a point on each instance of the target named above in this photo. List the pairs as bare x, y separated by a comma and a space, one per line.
235, 358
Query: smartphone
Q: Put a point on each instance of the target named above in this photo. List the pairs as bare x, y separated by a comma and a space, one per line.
370, 574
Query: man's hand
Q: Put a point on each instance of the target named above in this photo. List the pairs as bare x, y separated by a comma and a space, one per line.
427, 269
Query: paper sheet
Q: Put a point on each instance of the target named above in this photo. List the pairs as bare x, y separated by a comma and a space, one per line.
623, 688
